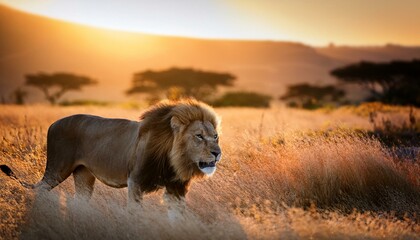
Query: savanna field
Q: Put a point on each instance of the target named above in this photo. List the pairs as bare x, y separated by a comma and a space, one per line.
284, 174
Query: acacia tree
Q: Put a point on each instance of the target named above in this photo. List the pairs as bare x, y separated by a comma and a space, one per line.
309, 96
55, 85
396, 82
180, 82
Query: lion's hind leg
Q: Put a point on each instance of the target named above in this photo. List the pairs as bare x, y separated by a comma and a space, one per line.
83, 182
51, 179
60, 160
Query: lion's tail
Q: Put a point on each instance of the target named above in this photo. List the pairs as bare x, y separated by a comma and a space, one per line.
8, 171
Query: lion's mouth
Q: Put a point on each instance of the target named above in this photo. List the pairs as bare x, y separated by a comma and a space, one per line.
203, 165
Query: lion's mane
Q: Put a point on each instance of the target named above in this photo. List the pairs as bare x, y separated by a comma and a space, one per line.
163, 166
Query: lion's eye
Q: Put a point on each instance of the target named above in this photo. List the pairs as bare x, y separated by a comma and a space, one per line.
215, 136
199, 136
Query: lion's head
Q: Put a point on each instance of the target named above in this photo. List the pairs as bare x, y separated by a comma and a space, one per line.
187, 134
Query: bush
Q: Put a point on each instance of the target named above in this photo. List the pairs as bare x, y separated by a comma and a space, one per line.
84, 103
394, 134
243, 99
312, 97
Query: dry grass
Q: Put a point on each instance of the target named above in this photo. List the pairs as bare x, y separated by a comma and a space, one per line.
285, 174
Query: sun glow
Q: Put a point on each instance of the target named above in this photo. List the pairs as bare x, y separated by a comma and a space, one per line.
356, 22
201, 19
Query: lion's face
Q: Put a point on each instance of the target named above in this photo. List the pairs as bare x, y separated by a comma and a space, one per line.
201, 146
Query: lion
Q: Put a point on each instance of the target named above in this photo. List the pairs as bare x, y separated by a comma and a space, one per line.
172, 144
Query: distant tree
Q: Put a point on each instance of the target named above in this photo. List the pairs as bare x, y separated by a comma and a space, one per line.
180, 82
243, 99
55, 85
396, 82
19, 96
309, 96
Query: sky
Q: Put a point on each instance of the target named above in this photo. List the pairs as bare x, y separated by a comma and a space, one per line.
313, 22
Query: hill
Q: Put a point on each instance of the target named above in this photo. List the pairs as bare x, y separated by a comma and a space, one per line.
31, 44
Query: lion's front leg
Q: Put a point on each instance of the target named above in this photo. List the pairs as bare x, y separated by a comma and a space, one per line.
176, 207
135, 195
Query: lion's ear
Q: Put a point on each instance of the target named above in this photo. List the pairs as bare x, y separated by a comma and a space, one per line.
175, 123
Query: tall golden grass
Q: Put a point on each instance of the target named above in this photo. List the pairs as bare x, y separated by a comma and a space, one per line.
284, 174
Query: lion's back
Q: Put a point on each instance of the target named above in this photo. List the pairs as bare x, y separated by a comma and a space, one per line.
94, 129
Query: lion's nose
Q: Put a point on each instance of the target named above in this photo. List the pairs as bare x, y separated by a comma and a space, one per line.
216, 154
